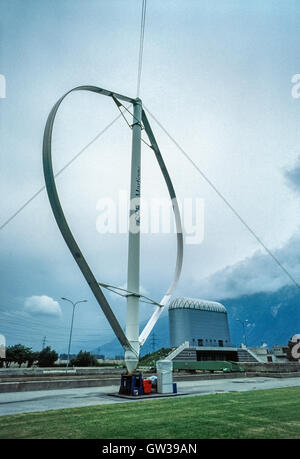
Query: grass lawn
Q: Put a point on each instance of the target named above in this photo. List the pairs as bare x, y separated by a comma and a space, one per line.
273, 413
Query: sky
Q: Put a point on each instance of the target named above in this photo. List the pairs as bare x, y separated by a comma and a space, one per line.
218, 76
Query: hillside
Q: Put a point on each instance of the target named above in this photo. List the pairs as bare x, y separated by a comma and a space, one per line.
149, 360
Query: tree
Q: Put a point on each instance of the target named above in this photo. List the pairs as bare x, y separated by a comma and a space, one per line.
34, 357
84, 359
47, 357
19, 354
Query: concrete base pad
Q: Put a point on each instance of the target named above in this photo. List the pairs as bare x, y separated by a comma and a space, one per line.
145, 396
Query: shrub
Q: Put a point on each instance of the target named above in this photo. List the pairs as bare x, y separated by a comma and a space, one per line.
84, 359
47, 357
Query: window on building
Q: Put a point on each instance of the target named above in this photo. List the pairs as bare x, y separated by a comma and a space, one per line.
220, 343
200, 342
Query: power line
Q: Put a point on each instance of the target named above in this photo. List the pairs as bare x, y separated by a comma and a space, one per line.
35, 334
212, 185
15, 318
142, 33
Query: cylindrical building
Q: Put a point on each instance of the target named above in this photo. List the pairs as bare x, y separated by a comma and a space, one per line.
201, 322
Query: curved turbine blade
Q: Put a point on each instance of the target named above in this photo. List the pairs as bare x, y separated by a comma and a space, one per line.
158, 310
61, 220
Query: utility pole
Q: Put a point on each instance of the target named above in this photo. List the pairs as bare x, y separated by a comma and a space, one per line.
153, 341
74, 304
243, 322
44, 342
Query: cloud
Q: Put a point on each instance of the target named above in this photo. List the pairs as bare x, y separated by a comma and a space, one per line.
42, 305
293, 176
258, 273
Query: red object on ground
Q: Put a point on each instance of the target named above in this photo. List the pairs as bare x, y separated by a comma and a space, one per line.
147, 385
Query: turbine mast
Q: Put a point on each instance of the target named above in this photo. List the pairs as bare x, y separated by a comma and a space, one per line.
133, 273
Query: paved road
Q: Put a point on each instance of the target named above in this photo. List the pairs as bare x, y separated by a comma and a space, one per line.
22, 402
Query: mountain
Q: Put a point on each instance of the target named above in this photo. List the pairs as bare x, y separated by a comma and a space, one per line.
273, 317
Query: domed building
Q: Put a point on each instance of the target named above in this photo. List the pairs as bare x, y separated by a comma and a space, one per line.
199, 331
201, 322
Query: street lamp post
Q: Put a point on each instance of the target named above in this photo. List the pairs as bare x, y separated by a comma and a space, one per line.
73, 304
243, 323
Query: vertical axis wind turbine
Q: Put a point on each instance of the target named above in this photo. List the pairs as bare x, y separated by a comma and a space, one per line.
131, 340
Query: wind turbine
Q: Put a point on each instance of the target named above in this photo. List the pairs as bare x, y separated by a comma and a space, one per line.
131, 340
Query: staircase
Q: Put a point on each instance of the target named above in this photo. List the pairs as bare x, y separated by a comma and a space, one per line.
245, 356
177, 351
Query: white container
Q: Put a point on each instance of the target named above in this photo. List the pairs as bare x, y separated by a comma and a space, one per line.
166, 389
164, 370
164, 365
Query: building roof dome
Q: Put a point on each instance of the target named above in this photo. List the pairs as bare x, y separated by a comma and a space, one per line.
182, 302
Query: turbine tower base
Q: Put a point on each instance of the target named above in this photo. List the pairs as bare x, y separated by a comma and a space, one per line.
131, 360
